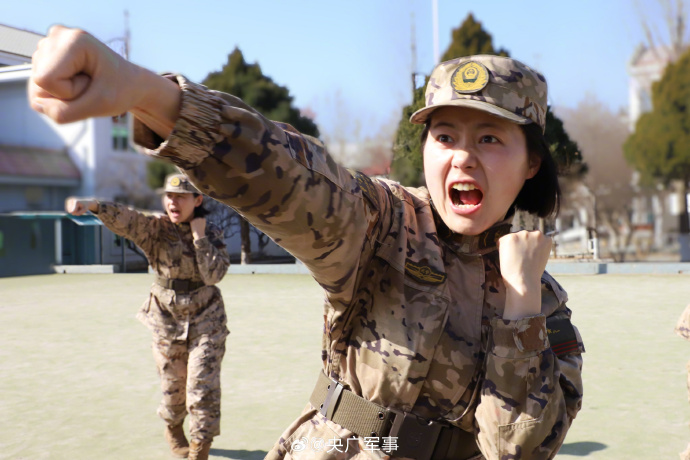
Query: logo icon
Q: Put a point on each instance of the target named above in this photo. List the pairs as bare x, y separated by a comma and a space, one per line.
175, 181
470, 77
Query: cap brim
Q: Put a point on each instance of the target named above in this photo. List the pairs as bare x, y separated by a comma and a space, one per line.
161, 191
421, 116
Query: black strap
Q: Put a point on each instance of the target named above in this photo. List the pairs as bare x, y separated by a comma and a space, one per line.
415, 437
178, 285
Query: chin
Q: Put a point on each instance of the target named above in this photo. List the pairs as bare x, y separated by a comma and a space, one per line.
465, 226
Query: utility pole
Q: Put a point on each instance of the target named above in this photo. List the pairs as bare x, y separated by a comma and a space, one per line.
434, 14
414, 53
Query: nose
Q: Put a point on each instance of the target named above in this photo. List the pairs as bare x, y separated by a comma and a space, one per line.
464, 157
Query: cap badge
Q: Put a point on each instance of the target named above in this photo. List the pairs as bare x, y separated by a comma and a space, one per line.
470, 77
175, 181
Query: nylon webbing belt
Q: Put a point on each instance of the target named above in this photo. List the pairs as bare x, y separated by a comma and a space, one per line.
178, 285
416, 437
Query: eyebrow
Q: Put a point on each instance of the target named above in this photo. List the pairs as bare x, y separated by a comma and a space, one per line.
487, 124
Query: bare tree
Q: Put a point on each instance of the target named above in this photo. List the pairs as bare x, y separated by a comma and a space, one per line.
608, 182
675, 22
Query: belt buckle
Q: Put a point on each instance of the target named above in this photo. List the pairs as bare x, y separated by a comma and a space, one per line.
416, 437
332, 399
181, 285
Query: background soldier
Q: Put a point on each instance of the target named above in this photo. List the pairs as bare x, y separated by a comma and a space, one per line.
184, 310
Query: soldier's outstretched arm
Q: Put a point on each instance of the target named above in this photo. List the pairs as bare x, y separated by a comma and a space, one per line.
119, 219
74, 76
284, 183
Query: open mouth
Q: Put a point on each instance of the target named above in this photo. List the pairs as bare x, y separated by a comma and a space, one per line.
465, 196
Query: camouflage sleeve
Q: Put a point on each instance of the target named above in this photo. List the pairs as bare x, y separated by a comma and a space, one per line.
530, 395
283, 182
212, 256
129, 223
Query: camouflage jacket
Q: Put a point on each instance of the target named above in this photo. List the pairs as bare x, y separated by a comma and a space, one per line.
683, 325
173, 253
412, 317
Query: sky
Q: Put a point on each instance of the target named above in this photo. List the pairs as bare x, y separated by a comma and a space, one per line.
349, 63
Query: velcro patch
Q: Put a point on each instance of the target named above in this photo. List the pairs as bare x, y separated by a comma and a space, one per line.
562, 336
424, 273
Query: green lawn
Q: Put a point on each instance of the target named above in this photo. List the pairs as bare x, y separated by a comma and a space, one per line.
78, 380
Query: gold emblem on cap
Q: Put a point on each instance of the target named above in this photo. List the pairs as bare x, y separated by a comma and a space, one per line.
470, 77
175, 181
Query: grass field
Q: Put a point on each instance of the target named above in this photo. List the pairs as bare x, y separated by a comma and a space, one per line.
77, 379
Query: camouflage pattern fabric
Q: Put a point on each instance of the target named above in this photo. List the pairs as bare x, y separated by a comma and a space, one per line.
412, 315
683, 330
683, 325
510, 89
189, 329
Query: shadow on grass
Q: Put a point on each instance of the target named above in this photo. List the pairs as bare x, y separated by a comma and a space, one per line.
239, 454
581, 449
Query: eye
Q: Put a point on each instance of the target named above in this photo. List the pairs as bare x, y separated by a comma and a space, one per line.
488, 139
444, 139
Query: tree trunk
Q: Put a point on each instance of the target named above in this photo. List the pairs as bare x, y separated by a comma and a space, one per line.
246, 243
683, 224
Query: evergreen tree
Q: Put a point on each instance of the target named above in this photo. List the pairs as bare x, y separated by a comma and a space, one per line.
247, 82
660, 146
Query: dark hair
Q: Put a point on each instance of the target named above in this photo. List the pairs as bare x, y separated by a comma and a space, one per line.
200, 211
540, 195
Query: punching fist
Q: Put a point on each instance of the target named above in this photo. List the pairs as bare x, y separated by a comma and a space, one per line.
523, 257
74, 76
78, 207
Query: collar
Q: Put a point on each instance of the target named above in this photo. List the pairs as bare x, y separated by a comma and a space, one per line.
481, 244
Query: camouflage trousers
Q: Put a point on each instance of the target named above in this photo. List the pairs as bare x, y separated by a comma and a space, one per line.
190, 381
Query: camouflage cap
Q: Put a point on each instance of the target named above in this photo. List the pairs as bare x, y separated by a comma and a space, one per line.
178, 183
498, 85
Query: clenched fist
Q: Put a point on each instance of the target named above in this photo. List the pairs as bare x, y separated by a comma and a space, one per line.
523, 257
78, 207
198, 227
74, 76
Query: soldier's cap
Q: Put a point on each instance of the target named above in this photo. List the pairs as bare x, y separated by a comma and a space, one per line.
178, 183
501, 86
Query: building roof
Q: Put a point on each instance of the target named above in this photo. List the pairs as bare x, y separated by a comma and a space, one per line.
24, 163
18, 42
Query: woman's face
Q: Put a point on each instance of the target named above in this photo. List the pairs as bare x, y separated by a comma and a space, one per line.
475, 165
180, 206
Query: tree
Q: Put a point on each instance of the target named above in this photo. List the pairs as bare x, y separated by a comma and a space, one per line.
156, 172
247, 82
601, 134
660, 146
468, 39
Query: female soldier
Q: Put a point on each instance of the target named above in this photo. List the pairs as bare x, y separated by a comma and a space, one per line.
184, 310
435, 321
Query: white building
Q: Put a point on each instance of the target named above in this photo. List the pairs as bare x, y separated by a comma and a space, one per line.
42, 163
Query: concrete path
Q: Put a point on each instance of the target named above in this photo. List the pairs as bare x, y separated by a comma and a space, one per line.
77, 379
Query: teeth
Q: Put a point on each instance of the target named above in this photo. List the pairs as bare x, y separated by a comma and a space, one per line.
464, 187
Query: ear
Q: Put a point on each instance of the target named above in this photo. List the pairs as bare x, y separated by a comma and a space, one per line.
534, 165
198, 200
